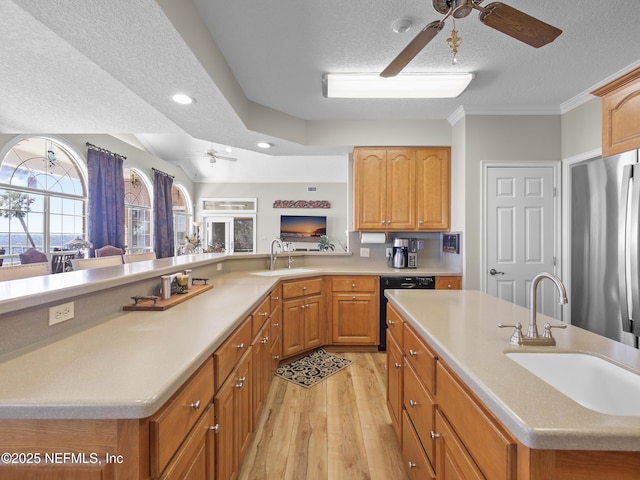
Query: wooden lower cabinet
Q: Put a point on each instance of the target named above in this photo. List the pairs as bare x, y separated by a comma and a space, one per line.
354, 310
234, 417
418, 466
452, 460
394, 384
302, 324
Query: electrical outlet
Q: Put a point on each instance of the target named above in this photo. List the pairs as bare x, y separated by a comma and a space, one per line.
219, 266
60, 313
364, 252
389, 252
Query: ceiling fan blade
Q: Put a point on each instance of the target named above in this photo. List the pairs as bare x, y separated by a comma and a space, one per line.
410, 51
518, 25
230, 159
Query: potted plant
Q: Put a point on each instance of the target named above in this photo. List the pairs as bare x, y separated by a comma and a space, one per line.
325, 245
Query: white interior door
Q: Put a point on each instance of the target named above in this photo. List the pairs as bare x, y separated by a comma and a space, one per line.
521, 211
219, 232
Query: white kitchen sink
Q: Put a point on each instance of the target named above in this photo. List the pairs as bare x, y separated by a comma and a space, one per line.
283, 271
591, 381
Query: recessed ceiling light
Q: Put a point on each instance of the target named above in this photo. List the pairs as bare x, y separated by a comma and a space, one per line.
182, 99
264, 145
402, 25
407, 85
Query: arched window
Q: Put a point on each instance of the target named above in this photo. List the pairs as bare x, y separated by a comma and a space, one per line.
181, 215
43, 196
137, 205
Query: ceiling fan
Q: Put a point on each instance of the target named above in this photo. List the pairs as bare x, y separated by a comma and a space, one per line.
497, 15
214, 156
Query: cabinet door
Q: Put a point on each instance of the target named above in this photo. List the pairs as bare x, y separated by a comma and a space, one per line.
194, 460
292, 326
401, 180
314, 322
433, 189
244, 393
452, 460
418, 466
394, 384
354, 318
370, 189
258, 349
225, 416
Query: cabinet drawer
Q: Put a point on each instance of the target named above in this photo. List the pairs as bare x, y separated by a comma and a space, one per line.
260, 315
416, 463
448, 283
297, 288
488, 443
420, 406
420, 358
394, 324
228, 354
453, 461
169, 427
354, 284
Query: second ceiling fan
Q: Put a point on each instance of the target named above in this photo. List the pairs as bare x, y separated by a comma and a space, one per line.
497, 15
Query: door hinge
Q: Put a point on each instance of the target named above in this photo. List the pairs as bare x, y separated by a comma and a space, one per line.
555, 191
554, 261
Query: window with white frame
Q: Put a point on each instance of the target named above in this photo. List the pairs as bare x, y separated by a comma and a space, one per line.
182, 217
43, 197
230, 224
138, 212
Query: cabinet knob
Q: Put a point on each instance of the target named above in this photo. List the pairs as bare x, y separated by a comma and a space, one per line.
276, 324
264, 314
302, 306
413, 403
353, 285
434, 435
449, 286
195, 406
412, 353
304, 288
241, 381
391, 322
264, 340
240, 346
353, 298
276, 298
276, 357
412, 465
420, 222
215, 428
397, 365
382, 222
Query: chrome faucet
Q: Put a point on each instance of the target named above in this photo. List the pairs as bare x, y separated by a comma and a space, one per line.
532, 337
273, 255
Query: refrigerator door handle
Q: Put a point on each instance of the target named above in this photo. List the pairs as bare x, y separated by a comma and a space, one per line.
623, 247
634, 243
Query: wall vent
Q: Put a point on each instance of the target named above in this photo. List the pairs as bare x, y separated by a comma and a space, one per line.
312, 189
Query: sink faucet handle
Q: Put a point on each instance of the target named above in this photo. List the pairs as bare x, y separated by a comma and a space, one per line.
516, 338
547, 329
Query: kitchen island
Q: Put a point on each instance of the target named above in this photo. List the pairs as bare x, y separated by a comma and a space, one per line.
542, 433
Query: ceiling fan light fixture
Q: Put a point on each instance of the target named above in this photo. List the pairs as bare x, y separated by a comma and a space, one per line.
407, 85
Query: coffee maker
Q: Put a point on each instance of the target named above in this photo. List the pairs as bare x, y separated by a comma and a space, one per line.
400, 254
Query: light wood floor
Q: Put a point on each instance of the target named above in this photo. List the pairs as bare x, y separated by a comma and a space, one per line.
338, 429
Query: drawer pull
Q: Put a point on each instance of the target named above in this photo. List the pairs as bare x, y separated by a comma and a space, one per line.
195, 406
276, 357
241, 381
412, 465
412, 353
264, 314
434, 435
276, 324
397, 365
413, 403
264, 340
240, 346
215, 428
275, 298
391, 322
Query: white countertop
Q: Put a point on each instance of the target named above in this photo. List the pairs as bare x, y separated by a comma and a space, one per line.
129, 366
461, 326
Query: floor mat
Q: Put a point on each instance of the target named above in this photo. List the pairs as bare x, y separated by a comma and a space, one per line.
312, 368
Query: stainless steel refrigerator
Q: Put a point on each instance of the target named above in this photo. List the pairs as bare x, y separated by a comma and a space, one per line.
605, 273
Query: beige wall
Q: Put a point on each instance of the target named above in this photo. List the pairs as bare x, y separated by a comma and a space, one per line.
582, 129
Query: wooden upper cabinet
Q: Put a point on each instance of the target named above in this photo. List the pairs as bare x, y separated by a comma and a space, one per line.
370, 189
433, 177
620, 113
401, 189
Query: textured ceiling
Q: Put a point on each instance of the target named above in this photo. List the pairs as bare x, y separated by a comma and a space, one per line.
255, 68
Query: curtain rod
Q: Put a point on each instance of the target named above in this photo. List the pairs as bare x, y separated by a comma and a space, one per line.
162, 173
100, 149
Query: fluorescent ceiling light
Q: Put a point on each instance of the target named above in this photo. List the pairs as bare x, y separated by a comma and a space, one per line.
408, 85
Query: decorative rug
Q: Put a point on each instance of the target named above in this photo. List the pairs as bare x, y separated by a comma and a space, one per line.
312, 368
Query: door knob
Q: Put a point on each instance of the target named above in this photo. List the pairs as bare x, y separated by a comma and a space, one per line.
493, 271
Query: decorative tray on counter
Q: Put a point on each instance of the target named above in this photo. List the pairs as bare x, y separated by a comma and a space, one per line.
158, 304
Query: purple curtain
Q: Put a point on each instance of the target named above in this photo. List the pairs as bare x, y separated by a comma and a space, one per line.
162, 215
106, 199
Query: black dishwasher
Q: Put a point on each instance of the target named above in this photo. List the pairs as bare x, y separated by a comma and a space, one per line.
399, 282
